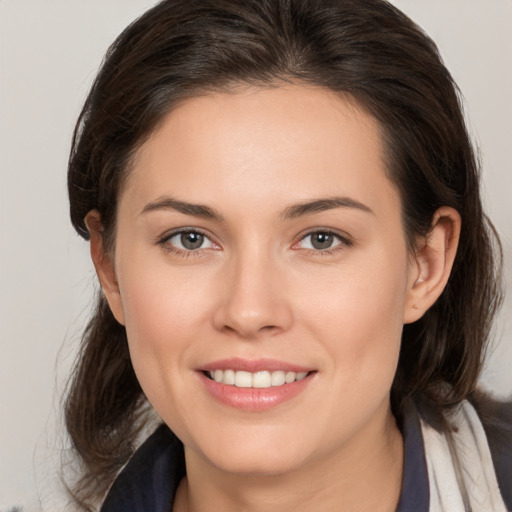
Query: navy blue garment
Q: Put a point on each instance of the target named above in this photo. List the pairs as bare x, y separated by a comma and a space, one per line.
415, 496
149, 481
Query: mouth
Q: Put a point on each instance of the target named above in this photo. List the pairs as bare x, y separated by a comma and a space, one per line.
255, 385
260, 379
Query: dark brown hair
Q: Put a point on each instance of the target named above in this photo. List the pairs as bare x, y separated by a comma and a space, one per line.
366, 49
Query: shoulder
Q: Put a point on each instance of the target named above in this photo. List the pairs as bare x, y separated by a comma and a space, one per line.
496, 418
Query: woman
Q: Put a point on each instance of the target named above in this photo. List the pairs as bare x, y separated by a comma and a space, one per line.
283, 210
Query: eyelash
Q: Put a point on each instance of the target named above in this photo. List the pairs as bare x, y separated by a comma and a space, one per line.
343, 240
164, 242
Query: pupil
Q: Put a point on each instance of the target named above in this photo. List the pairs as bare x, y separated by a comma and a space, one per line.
321, 240
191, 240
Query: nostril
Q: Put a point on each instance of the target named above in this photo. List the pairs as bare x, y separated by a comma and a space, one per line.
249, 331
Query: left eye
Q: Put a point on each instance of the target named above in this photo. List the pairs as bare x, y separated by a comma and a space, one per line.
190, 241
320, 241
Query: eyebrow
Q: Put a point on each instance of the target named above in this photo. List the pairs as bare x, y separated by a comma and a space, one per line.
197, 210
321, 205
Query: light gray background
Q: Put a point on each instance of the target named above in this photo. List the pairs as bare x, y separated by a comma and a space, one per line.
49, 52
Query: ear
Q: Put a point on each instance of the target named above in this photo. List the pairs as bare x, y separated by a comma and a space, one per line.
432, 263
104, 264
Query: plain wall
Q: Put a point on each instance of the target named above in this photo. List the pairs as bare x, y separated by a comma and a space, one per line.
49, 52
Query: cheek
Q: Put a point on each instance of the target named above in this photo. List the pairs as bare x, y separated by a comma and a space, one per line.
359, 313
359, 325
160, 301
163, 325
164, 315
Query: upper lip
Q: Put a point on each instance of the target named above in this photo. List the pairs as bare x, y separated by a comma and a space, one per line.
254, 365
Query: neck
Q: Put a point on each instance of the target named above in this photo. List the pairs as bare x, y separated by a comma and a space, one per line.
364, 476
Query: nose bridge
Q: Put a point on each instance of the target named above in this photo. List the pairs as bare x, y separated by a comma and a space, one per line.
253, 298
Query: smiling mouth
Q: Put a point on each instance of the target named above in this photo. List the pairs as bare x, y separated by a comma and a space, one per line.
262, 379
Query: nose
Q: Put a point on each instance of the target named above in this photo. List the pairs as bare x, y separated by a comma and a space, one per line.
254, 300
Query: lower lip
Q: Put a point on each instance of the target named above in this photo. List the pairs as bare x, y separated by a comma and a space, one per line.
254, 399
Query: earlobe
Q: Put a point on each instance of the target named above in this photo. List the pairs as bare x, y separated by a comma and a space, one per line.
433, 262
104, 264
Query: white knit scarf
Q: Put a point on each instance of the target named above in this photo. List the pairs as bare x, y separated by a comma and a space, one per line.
460, 469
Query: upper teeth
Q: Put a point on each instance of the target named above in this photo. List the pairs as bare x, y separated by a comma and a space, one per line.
263, 379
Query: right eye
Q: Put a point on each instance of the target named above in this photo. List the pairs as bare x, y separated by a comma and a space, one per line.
187, 241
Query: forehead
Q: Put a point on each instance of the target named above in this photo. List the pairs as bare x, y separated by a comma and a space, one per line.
259, 142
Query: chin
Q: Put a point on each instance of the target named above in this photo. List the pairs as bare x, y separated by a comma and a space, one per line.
258, 464
257, 453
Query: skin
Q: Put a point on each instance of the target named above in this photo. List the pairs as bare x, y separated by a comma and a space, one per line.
257, 288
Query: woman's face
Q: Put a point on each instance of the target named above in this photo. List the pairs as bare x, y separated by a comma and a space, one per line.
259, 238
